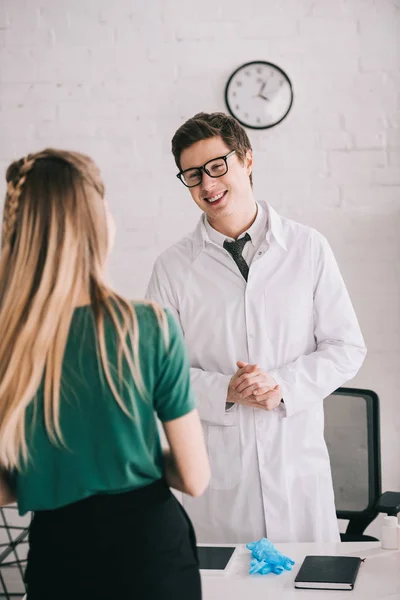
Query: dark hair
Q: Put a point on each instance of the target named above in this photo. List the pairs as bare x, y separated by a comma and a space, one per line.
207, 125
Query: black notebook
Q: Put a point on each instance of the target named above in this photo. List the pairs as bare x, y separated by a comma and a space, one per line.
328, 572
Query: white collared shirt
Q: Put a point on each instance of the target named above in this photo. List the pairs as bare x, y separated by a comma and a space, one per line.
270, 470
257, 232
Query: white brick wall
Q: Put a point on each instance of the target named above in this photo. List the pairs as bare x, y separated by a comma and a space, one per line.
116, 79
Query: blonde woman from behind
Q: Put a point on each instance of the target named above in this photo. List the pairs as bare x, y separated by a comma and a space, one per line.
83, 375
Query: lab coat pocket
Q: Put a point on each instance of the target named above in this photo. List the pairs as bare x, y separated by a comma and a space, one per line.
225, 456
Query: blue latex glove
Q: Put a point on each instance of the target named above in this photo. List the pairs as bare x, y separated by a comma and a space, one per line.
267, 559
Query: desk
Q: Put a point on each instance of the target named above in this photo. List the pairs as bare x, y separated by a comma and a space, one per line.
378, 577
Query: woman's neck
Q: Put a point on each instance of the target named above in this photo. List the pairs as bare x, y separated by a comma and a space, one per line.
83, 298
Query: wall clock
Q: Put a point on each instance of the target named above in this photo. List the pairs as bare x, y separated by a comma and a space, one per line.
259, 94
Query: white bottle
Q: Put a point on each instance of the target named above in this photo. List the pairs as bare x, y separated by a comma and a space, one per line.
390, 533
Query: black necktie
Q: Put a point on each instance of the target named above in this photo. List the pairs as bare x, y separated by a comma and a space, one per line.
236, 249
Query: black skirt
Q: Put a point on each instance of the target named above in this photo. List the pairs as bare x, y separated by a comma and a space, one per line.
136, 545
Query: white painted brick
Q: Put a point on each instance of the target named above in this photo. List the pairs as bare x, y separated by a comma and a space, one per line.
109, 89
375, 59
54, 17
334, 29
366, 139
116, 64
133, 203
335, 140
115, 13
15, 150
279, 143
369, 237
126, 32
16, 130
303, 116
13, 93
359, 165
16, 65
393, 119
37, 37
281, 25
138, 231
22, 113
327, 9
79, 33
58, 92
357, 117
292, 157
351, 93
330, 60
4, 17
94, 109
188, 12
315, 197
386, 175
374, 199
72, 64
381, 328
291, 8
23, 17
276, 174
77, 130
327, 35
128, 124
173, 225
374, 91
203, 31
379, 27
393, 137
394, 158
128, 276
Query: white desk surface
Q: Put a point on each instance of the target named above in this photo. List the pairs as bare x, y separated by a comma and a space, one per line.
378, 577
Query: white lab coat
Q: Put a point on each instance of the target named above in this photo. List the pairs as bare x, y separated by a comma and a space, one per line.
270, 469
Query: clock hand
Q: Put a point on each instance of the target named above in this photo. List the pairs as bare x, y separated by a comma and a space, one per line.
262, 89
263, 97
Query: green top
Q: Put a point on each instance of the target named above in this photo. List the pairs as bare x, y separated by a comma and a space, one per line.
105, 451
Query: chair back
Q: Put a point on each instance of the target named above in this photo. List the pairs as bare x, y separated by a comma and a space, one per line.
353, 440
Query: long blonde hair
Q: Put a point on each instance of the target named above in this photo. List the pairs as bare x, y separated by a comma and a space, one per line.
54, 245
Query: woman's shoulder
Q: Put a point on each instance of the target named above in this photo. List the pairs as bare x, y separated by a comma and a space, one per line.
155, 321
148, 316
146, 310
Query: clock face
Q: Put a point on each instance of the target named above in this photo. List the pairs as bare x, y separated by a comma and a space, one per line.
259, 95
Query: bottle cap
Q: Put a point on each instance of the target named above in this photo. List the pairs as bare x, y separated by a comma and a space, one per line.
390, 521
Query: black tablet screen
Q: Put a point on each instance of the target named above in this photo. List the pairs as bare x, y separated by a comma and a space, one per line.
214, 557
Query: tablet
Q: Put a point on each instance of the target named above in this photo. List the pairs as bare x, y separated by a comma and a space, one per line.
215, 559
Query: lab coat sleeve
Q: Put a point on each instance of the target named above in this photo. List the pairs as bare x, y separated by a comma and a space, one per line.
340, 348
210, 388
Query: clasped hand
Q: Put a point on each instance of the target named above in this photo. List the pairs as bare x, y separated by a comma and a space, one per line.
253, 387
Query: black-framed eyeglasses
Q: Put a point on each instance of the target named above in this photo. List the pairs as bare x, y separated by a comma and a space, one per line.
216, 167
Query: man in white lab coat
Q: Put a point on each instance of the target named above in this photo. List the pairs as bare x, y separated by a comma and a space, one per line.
271, 332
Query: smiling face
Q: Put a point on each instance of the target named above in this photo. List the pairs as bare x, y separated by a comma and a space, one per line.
220, 197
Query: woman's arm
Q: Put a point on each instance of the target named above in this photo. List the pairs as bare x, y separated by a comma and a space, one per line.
186, 463
7, 495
